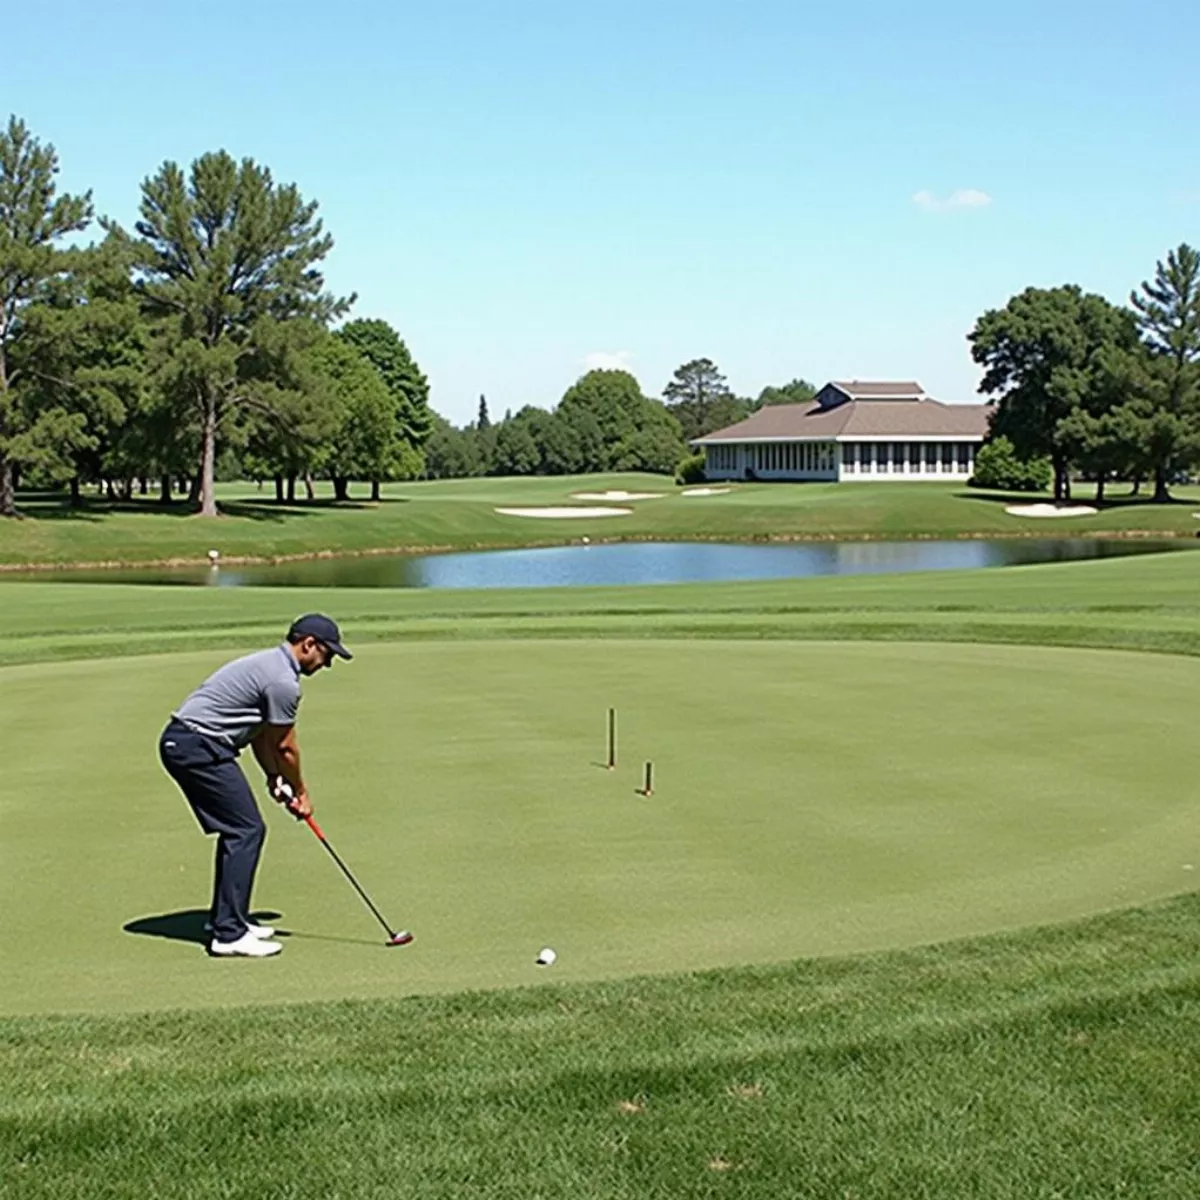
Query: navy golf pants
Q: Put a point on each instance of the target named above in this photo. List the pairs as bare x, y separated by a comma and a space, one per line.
209, 776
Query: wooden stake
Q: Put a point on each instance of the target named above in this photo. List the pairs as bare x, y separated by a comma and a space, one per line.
648, 789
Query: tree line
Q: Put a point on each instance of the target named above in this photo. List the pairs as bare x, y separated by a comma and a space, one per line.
201, 343
202, 332
1096, 389
602, 423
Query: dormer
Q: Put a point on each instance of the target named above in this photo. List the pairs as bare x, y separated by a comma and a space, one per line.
838, 391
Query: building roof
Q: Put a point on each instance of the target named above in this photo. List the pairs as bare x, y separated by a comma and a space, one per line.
860, 389
857, 418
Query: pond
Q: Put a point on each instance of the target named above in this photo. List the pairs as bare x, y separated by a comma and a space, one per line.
630, 563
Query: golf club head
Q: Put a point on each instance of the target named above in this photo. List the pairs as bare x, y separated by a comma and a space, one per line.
400, 939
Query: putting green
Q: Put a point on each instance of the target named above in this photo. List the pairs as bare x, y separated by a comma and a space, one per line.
810, 798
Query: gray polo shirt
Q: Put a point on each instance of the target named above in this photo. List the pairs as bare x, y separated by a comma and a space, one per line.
234, 703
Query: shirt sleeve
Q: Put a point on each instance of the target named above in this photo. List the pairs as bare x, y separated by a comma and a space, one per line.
282, 703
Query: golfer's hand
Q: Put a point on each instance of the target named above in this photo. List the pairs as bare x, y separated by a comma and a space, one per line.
300, 806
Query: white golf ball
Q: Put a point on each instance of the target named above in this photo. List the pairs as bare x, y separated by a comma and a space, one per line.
213, 555
546, 957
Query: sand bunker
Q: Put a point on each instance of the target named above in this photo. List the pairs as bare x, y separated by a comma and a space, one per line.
705, 491
1051, 510
566, 513
617, 495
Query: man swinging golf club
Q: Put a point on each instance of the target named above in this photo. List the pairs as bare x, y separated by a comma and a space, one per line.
252, 701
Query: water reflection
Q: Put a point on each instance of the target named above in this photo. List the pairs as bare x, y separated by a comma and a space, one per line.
633, 563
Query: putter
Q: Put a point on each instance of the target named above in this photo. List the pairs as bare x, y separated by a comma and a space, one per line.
394, 938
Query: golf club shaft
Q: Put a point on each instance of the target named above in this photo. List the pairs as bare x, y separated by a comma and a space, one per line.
346, 871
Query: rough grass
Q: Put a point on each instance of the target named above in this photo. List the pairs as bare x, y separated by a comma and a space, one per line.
456, 514
1054, 1063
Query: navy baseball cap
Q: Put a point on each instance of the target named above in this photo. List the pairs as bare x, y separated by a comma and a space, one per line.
321, 627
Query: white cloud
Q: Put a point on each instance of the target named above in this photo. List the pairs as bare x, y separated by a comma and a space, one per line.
601, 360
959, 198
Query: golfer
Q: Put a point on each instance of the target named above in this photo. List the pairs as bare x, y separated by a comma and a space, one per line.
251, 701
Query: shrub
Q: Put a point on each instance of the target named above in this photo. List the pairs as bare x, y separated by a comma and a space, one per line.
690, 469
998, 466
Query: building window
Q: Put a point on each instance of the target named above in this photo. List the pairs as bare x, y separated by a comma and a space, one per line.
947, 458
964, 457
848, 457
866, 457
882, 458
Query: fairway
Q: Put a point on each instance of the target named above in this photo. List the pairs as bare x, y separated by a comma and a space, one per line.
811, 798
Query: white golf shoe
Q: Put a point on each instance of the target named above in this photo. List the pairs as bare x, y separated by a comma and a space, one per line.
247, 946
258, 931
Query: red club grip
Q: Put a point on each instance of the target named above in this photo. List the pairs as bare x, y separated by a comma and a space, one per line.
312, 824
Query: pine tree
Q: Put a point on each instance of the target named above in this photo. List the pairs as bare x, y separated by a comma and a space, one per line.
32, 221
1167, 378
227, 261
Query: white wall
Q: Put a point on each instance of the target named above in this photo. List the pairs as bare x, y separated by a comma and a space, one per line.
872, 461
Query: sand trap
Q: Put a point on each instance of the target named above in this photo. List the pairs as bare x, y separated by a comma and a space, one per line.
705, 491
565, 513
1051, 510
618, 495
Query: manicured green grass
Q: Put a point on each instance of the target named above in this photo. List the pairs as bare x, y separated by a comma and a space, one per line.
1005, 786
455, 514
893, 784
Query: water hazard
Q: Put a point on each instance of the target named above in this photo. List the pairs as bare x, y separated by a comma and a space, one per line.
630, 563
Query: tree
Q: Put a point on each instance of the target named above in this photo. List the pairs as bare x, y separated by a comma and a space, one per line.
798, 391
228, 259
361, 408
83, 345
516, 453
1165, 378
582, 429
655, 445
452, 453
483, 421
384, 348
561, 445
32, 220
1043, 355
998, 466
614, 402
700, 400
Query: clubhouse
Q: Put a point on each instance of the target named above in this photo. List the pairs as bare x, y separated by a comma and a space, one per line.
851, 430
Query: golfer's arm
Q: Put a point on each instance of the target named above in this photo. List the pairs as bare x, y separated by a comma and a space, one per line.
278, 753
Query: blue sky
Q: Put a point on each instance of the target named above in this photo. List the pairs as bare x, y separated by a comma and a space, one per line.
525, 189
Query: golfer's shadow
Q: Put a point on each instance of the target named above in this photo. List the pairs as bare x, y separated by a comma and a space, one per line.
186, 925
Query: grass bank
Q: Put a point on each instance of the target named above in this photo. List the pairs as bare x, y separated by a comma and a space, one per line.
460, 514
1149, 602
